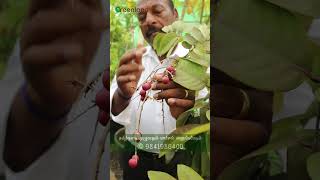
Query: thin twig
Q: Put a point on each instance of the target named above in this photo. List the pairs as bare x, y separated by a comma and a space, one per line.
79, 115
164, 128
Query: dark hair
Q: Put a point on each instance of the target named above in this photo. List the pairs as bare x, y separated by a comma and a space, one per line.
171, 4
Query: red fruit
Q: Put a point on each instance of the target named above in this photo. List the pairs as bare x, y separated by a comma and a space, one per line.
142, 98
170, 69
105, 80
146, 86
143, 93
135, 157
102, 100
165, 80
133, 163
103, 118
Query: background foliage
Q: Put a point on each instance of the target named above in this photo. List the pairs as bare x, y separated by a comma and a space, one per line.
12, 13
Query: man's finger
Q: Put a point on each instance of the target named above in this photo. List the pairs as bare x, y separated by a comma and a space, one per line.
126, 78
183, 103
127, 57
129, 68
173, 93
48, 25
139, 54
52, 54
162, 86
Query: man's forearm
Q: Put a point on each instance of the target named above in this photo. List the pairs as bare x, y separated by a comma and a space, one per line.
118, 103
27, 137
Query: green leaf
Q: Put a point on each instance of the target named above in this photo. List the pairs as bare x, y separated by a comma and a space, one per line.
189, 39
282, 142
171, 49
259, 44
195, 78
169, 156
297, 161
305, 7
205, 31
184, 116
157, 40
208, 115
179, 135
199, 57
187, 173
276, 163
166, 43
285, 127
313, 164
241, 169
157, 175
196, 159
205, 159
197, 34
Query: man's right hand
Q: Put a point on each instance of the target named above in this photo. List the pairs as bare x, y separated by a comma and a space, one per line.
129, 72
128, 75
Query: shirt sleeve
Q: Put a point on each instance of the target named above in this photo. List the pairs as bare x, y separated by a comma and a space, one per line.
124, 117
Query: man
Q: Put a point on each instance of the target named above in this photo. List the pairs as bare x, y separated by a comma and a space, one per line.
134, 68
58, 44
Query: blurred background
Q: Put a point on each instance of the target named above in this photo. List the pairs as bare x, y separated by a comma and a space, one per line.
12, 13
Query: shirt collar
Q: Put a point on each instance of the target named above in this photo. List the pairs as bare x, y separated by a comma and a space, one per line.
150, 53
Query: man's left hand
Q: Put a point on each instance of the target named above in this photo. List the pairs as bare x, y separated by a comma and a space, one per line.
177, 97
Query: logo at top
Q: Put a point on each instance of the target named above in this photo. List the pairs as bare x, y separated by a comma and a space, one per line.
128, 10
118, 9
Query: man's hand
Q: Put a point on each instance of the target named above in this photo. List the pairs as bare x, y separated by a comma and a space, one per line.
177, 97
58, 42
128, 75
129, 72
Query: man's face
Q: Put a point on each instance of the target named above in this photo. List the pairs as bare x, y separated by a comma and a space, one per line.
153, 16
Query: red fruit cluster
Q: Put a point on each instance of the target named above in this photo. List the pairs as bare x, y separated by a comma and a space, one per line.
102, 100
145, 87
168, 76
171, 69
133, 162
